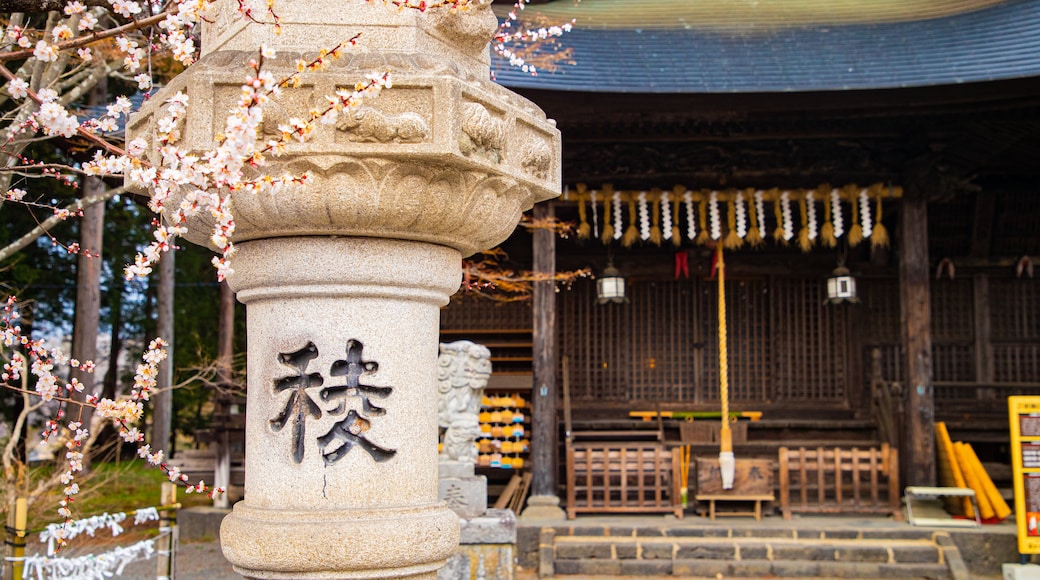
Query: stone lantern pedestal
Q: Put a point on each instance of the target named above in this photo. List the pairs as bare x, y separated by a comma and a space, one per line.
343, 278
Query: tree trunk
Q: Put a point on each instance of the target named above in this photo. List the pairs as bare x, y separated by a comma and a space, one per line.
115, 347
88, 295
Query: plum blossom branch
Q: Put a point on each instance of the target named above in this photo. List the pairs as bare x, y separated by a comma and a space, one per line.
124, 413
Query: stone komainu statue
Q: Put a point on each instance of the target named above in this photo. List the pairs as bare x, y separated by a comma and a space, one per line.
463, 369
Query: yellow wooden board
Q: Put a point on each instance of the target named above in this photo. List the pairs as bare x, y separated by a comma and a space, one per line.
1000, 507
1024, 423
973, 481
950, 474
696, 415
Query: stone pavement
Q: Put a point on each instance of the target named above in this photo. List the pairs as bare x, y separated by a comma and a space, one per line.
983, 550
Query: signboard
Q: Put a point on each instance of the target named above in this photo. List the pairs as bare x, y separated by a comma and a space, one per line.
751, 477
1025, 460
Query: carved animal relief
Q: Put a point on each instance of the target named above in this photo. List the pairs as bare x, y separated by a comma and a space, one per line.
369, 125
352, 429
536, 159
482, 134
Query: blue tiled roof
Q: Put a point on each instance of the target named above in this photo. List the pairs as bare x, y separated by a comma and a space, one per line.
996, 43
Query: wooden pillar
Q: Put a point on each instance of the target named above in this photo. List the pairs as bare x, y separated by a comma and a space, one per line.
915, 306
983, 330
544, 427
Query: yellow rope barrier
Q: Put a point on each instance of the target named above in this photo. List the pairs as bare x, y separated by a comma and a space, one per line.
727, 441
725, 434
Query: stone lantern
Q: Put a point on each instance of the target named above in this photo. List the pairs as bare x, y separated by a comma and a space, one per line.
343, 278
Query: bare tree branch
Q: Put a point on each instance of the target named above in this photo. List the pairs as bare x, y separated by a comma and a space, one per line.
90, 38
36, 6
52, 221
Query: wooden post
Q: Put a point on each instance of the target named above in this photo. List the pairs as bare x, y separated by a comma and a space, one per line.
915, 307
983, 332
544, 427
225, 352
162, 401
17, 520
166, 562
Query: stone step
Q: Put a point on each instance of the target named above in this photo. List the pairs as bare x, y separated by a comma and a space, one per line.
750, 569
917, 555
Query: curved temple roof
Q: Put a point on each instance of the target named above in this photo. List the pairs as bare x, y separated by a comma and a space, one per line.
735, 46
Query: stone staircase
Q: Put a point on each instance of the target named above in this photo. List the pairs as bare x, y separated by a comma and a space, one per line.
749, 552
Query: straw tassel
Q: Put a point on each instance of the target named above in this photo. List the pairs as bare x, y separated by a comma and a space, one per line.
678, 192
850, 192
655, 229
778, 213
702, 214
732, 240
803, 236
827, 231
754, 235
608, 225
632, 233
584, 229
880, 237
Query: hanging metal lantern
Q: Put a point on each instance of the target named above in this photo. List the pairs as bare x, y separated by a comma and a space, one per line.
610, 287
841, 286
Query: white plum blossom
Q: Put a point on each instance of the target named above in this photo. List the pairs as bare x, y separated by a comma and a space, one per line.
87, 22
61, 32
56, 120
47, 95
18, 88
125, 8
74, 7
45, 52
136, 147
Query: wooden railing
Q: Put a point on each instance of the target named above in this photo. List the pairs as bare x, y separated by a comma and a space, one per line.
616, 477
836, 480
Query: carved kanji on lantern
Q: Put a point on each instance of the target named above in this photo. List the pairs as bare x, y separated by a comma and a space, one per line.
348, 432
300, 404
351, 430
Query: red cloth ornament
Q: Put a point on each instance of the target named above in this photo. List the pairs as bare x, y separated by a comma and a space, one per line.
682, 264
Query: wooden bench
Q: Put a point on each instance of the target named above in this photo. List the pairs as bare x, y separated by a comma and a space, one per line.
755, 499
622, 477
836, 480
920, 492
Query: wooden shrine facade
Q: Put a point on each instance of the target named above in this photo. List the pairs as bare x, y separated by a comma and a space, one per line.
791, 355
